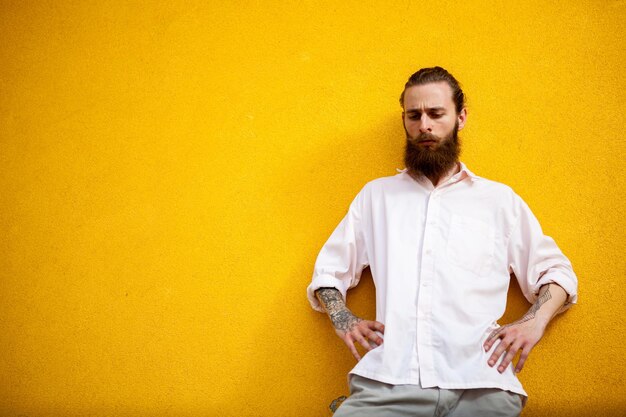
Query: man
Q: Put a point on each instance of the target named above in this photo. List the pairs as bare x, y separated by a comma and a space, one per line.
441, 243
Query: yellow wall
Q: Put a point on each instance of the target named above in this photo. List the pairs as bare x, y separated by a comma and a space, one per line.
170, 170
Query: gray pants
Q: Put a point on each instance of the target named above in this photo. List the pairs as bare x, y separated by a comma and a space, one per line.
370, 398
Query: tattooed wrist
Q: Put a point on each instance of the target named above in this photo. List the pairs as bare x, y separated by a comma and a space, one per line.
344, 320
335, 306
544, 296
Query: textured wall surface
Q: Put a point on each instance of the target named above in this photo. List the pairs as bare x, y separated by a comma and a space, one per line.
169, 171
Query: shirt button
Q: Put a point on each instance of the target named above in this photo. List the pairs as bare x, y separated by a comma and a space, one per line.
428, 251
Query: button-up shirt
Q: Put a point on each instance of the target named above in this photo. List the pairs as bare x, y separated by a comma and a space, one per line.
441, 259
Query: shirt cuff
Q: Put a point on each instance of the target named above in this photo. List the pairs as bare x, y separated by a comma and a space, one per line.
322, 281
565, 281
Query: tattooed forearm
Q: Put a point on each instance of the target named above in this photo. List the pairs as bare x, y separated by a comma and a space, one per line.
341, 317
544, 296
331, 299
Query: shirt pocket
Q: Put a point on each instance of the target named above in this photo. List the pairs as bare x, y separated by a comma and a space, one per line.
470, 244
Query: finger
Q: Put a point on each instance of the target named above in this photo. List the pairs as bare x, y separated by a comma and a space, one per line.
359, 338
372, 325
348, 341
492, 338
522, 359
502, 346
366, 327
508, 357
373, 336
379, 326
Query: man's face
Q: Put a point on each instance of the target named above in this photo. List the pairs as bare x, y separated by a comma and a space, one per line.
429, 109
431, 124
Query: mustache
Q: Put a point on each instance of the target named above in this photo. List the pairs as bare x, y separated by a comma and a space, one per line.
424, 136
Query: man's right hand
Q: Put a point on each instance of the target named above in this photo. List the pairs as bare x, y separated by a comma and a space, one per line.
350, 328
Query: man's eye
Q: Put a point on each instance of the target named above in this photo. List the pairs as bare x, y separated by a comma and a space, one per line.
414, 116
436, 115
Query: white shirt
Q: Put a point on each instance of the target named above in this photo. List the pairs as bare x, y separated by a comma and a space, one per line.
441, 259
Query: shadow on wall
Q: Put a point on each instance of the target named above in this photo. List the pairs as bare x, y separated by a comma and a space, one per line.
332, 176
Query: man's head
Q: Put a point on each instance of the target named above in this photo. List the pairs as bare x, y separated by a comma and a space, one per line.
435, 75
434, 112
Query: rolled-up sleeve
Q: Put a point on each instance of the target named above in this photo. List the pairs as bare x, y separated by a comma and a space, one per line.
536, 260
342, 258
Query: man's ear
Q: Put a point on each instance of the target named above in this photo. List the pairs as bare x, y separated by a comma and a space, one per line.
462, 118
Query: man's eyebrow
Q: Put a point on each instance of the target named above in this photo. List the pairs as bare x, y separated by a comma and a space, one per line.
427, 109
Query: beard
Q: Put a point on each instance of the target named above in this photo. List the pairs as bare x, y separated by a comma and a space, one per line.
436, 161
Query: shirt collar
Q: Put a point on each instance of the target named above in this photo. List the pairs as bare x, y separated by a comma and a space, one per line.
464, 171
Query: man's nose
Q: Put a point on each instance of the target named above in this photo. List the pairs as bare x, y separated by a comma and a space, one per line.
426, 124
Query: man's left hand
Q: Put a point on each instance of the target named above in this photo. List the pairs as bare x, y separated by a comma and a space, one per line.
523, 334
526, 332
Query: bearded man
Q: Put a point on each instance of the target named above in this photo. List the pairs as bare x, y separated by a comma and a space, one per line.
441, 244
